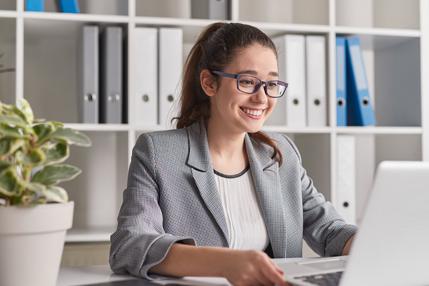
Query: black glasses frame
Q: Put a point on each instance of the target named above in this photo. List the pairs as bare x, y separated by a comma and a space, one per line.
258, 85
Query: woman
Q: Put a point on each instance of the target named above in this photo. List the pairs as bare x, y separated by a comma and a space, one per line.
217, 197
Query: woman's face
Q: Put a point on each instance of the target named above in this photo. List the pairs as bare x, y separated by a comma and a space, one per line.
235, 110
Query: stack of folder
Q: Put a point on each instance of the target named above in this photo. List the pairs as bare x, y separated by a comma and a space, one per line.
302, 63
353, 102
156, 75
102, 90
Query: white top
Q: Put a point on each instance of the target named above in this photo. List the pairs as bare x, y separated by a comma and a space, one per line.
243, 216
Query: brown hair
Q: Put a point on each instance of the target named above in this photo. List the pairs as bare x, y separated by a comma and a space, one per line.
215, 48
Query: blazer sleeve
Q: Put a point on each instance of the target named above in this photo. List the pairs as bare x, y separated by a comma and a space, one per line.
140, 241
325, 231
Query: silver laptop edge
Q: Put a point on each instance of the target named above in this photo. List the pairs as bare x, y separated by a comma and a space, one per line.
392, 245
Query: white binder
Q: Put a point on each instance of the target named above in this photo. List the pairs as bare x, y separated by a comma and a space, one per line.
346, 173
146, 77
291, 59
316, 81
170, 71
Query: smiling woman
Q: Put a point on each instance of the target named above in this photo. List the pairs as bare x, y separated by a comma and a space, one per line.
217, 196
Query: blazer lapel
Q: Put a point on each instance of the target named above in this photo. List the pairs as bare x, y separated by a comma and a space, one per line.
266, 180
202, 171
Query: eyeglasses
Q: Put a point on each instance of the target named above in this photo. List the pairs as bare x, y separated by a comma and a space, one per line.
250, 84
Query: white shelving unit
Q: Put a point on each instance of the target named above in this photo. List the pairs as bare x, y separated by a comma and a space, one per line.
395, 41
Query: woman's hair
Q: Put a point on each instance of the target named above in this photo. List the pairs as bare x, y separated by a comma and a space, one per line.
214, 50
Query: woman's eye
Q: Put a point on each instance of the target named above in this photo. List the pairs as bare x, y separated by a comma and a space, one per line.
272, 84
247, 82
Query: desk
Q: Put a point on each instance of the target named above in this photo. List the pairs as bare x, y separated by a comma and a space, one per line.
69, 276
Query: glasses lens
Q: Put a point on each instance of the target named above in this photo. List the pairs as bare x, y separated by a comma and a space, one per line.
274, 88
247, 83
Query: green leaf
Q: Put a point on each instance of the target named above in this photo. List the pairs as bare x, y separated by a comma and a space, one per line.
34, 157
26, 110
72, 137
12, 132
36, 187
53, 174
10, 183
4, 146
57, 124
56, 194
13, 120
6, 108
4, 165
56, 153
9, 145
43, 131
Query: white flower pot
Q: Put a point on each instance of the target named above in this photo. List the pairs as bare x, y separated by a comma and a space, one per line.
31, 243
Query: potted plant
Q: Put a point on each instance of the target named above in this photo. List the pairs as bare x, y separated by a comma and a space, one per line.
34, 211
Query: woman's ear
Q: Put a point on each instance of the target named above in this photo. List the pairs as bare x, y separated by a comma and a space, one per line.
208, 82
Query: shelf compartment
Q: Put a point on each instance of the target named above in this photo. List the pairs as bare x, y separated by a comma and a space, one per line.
52, 69
93, 7
373, 149
8, 5
399, 14
315, 152
97, 191
7, 60
285, 11
392, 66
164, 8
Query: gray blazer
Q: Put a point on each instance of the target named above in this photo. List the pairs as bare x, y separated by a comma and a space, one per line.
172, 197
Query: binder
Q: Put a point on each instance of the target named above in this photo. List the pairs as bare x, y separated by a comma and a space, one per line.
106, 7
341, 85
111, 99
346, 178
69, 6
210, 9
146, 76
359, 111
170, 71
316, 80
35, 5
291, 59
89, 90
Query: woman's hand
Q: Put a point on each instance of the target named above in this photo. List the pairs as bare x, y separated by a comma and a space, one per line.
250, 267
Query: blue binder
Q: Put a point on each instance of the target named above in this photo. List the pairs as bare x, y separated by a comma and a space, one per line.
359, 110
341, 81
69, 6
35, 5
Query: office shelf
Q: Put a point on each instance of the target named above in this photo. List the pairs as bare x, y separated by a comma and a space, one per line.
395, 43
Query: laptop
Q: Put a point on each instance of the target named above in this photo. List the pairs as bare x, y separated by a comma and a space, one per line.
392, 244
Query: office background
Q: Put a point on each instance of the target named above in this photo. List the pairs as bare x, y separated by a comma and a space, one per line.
45, 48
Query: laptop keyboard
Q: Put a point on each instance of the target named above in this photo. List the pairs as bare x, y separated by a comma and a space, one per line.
327, 279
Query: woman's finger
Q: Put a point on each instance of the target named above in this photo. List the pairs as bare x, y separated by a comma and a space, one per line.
274, 275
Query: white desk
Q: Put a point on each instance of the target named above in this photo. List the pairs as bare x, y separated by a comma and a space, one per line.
69, 276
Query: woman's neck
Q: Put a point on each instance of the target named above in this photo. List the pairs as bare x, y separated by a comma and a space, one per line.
227, 149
